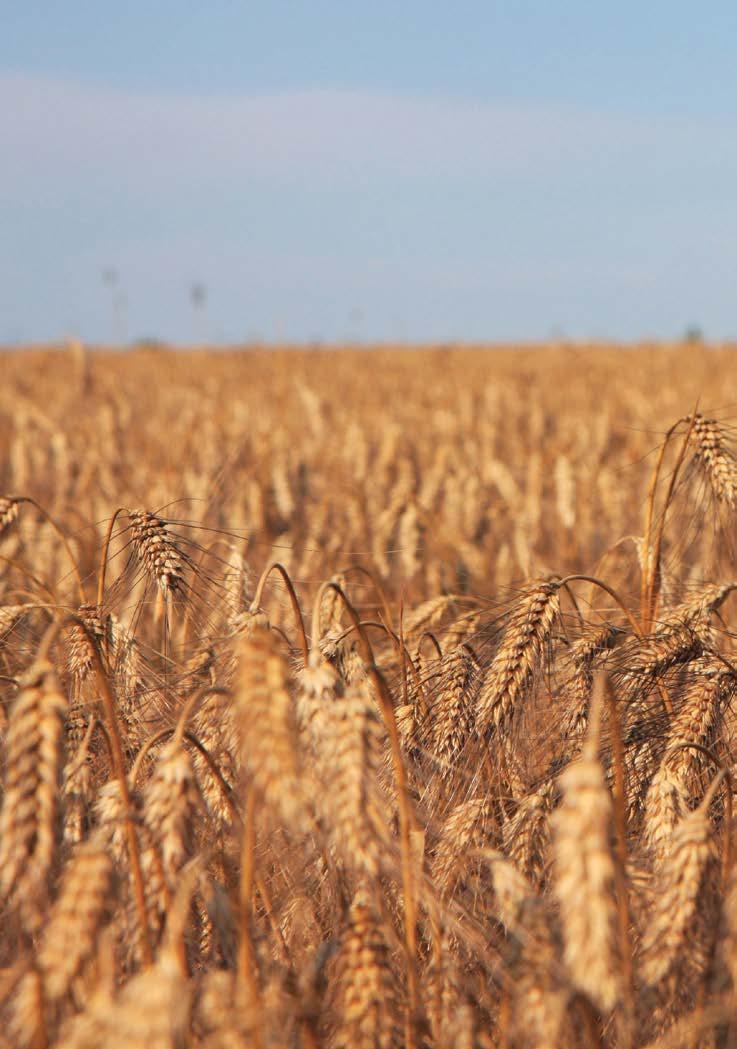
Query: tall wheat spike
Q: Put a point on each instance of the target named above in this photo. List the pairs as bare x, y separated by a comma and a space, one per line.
527, 832
584, 866
170, 801
585, 654
320, 685
464, 828
8, 512
110, 816
77, 786
717, 461
153, 1007
28, 819
364, 1014
268, 726
539, 994
70, 936
80, 658
670, 792
527, 631
451, 713
157, 550
681, 876
349, 761
214, 724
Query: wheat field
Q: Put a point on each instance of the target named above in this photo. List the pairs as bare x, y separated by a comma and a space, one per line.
368, 698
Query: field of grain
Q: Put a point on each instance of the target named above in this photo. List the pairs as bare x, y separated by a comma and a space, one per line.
368, 698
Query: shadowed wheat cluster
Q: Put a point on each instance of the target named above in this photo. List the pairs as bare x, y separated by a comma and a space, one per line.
368, 699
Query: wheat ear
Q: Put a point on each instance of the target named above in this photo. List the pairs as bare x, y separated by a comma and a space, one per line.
585, 867
681, 876
28, 819
511, 669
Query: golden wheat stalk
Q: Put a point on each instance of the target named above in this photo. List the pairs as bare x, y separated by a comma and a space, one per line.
268, 727
451, 713
28, 819
669, 794
527, 833
716, 459
681, 875
157, 550
364, 993
70, 937
349, 761
527, 631
8, 511
584, 867
465, 828
79, 657
170, 802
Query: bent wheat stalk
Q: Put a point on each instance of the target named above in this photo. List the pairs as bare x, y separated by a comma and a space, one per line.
276, 566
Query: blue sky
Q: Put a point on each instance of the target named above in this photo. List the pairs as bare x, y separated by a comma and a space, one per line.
476, 171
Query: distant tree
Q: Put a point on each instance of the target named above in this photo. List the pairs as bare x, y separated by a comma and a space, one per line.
150, 342
198, 296
111, 280
110, 277
198, 300
693, 335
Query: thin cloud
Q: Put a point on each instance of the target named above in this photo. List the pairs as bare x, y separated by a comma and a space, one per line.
60, 130
461, 217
